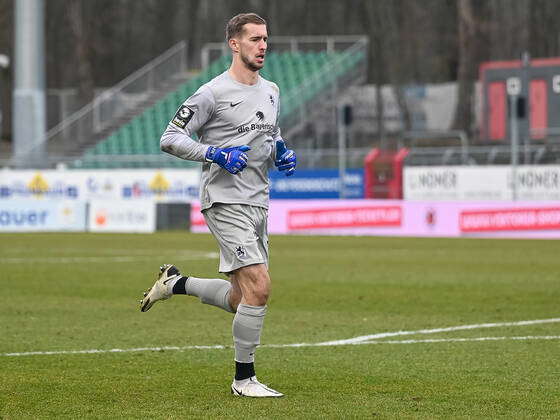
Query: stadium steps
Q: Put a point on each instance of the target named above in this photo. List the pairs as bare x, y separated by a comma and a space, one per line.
301, 76
153, 97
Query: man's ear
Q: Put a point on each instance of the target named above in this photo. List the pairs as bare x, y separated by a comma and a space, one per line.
234, 45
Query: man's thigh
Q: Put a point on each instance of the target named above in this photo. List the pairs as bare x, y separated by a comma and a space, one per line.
240, 231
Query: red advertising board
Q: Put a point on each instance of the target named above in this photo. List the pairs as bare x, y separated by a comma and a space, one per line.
514, 219
342, 217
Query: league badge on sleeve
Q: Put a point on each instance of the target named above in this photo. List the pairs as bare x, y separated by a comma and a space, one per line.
183, 116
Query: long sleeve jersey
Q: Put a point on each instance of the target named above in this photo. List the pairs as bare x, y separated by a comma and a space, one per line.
226, 113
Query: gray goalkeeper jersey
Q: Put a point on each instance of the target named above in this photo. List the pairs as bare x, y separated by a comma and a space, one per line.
226, 113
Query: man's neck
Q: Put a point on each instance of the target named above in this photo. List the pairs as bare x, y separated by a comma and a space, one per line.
240, 73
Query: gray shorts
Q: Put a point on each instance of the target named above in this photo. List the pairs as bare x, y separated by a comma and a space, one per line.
241, 232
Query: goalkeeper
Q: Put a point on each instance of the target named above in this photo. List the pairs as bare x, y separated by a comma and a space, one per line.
235, 116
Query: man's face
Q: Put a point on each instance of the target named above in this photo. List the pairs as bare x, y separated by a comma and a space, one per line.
252, 45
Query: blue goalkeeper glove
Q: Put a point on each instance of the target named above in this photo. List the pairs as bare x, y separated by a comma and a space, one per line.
285, 158
232, 159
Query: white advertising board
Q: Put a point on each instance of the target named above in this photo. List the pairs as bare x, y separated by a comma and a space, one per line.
177, 185
122, 216
42, 215
492, 183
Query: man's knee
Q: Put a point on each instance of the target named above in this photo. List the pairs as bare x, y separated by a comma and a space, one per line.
254, 283
261, 294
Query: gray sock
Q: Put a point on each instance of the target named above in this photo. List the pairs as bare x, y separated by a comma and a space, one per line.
210, 291
247, 327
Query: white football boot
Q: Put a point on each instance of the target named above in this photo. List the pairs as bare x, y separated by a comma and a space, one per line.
253, 388
160, 290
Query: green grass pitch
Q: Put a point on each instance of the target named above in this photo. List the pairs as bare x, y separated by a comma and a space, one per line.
67, 292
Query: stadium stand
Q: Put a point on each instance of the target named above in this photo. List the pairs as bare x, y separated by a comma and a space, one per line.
301, 76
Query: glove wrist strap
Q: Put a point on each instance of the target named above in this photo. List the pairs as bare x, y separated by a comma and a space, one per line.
211, 153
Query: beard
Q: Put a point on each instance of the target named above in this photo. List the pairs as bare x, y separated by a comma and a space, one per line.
250, 65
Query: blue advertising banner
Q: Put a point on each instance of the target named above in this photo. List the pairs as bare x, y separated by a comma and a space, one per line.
316, 183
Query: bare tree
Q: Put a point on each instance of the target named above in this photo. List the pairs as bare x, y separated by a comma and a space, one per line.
82, 44
466, 64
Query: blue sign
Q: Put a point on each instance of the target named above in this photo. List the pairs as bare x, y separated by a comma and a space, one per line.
316, 183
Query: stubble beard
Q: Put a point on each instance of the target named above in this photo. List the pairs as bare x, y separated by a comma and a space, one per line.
251, 66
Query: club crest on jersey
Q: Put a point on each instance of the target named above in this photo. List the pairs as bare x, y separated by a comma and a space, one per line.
183, 116
260, 115
241, 252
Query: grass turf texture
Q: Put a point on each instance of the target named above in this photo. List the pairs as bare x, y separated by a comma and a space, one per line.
324, 288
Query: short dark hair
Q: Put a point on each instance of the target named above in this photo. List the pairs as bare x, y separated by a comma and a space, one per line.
236, 23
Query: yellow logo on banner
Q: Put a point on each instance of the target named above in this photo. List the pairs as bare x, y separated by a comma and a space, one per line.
159, 184
38, 185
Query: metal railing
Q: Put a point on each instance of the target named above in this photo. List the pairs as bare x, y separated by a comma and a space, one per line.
329, 158
483, 155
67, 139
132, 161
329, 43
413, 138
543, 147
139, 85
328, 98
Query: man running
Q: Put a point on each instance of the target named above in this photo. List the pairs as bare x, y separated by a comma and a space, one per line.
235, 116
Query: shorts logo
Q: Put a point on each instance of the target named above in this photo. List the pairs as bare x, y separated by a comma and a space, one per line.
241, 252
183, 116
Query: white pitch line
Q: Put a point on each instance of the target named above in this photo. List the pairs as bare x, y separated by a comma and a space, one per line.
438, 330
352, 341
100, 351
463, 340
103, 259
220, 347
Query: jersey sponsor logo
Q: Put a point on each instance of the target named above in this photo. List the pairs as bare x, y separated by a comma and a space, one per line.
183, 116
232, 104
265, 128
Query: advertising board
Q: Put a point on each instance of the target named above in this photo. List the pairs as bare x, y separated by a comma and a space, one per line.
122, 216
444, 183
526, 219
44, 215
165, 185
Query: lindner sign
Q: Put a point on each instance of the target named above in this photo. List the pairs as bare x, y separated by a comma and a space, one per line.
481, 183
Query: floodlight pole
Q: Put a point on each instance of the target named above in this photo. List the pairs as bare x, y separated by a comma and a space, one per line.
29, 105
